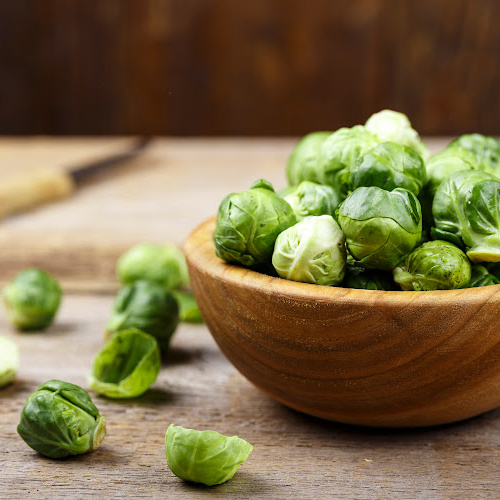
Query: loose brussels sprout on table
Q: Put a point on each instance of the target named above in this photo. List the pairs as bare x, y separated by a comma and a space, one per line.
188, 308
380, 226
392, 126
9, 361
435, 265
147, 306
248, 224
309, 198
466, 210
32, 299
204, 456
389, 166
59, 420
163, 264
127, 365
311, 251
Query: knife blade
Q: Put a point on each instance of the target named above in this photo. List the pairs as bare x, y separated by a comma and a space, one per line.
28, 191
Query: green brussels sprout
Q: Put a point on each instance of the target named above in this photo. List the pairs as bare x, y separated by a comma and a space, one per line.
439, 167
485, 149
311, 251
380, 226
480, 276
305, 160
248, 224
493, 268
388, 166
359, 277
32, 299
163, 264
59, 419
147, 306
188, 308
393, 126
126, 366
9, 361
204, 456
466, 211
340, 151
309, 198
435, 265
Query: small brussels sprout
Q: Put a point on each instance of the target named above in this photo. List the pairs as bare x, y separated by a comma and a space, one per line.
126, 366
305, 161
393, 126
485, 149
380, 226
340, 151
312, 251
466, 211
188, 308
435, 265
204, 456
32, 299
388, 166
248, 224
309, 198
480, 276
439, 167
59, 419
147, 306
9, 361
163, 264
359, 277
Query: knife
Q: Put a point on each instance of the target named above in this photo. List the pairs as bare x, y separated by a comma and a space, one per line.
27, 191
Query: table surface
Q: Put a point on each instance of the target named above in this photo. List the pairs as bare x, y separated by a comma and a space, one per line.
162, 196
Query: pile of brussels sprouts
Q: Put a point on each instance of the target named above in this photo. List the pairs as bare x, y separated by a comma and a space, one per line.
59, 419
368, 207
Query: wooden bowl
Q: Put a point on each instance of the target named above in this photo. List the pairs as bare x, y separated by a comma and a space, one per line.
375, 358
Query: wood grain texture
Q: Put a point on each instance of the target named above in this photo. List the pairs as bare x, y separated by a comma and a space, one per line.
376, 358
295, 456
247, 68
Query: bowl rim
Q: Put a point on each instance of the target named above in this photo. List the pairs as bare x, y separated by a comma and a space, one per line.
200, 252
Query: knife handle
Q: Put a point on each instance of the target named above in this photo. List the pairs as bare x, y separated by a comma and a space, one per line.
24, 192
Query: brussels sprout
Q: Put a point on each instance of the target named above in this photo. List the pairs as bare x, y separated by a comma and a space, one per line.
126, 366
480, 276
392, 126
435, 265
340, 151
388, 166
9, 361
466, 210
59, 420
204, 456
485, 149
357, 276
380, 226
248, 224
188, 308
164, 264
309, 198
32, 299
305, 161
147, 306
312, 251
440, 167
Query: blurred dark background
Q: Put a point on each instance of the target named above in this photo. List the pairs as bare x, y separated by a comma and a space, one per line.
259, 67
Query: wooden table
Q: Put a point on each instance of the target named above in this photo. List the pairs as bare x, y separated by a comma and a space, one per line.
162, 196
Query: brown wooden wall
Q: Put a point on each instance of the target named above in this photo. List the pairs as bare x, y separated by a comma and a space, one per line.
252, 67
